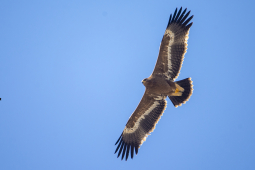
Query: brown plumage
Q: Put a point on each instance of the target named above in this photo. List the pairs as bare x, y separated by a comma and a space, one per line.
159, 85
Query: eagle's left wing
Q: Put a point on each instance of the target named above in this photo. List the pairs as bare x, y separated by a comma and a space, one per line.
140, 124
173, 45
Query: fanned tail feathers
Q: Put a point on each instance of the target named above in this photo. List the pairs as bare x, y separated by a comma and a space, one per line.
186, 84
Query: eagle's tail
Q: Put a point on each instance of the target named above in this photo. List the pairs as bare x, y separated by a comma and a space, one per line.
184, 89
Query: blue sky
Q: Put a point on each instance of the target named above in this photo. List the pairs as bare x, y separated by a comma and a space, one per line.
71, 76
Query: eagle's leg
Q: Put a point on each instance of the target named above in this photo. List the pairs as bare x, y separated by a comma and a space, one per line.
176, 94
178, 91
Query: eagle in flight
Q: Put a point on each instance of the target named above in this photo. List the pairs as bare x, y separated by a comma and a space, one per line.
159, 85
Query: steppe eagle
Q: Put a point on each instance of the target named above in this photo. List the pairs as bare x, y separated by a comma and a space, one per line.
159, 85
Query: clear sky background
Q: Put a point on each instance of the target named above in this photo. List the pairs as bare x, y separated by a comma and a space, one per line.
71, 72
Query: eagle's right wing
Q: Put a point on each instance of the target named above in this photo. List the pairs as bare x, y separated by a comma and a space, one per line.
140, 124
173, 45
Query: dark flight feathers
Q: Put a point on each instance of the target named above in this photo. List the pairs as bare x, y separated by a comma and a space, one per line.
180, 18
173, 45
147, 124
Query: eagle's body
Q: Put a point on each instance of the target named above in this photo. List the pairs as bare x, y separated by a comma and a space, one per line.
160, 85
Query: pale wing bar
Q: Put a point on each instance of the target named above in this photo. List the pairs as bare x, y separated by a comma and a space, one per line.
173, 45
178, 31
132, 138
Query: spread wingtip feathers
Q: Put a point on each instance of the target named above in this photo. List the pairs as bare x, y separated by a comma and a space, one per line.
179, 18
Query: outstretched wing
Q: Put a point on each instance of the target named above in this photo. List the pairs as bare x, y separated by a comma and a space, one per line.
140, 124
173, 45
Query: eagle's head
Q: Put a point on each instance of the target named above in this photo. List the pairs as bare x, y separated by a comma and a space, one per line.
145, 82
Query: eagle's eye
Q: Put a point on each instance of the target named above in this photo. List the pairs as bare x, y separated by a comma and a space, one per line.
144, 80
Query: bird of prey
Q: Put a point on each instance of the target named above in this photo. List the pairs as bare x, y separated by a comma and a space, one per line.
159, 85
